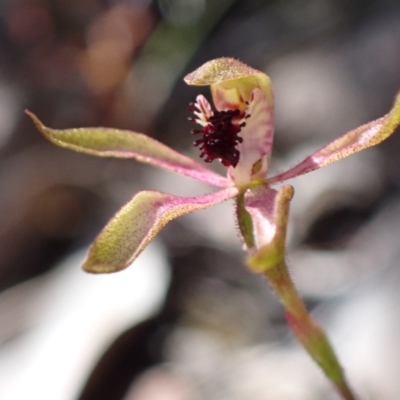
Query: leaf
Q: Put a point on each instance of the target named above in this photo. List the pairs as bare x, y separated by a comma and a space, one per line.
138, 222
106, 142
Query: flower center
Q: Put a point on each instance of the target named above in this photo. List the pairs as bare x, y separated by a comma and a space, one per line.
220, 135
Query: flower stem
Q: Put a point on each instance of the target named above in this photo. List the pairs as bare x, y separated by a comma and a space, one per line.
306, 329
245, 223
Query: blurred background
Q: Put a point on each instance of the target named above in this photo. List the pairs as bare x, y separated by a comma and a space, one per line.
187, 321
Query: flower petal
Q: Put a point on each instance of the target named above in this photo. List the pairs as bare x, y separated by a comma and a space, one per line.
138, 222
231, 81
356, 140
118, 143
269, 210
258, 135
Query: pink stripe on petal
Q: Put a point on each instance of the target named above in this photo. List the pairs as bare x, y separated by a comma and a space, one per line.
105, 142
138, 222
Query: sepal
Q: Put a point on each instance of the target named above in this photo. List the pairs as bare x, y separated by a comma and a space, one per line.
138, 222
365, 136
106, 142
231, 82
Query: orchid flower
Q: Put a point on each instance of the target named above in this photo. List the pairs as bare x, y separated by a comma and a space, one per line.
238, 133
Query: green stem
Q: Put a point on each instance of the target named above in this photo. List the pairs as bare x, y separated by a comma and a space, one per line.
306, 329
269, 259
245, 223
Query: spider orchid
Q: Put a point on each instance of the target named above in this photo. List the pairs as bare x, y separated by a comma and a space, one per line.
239, 134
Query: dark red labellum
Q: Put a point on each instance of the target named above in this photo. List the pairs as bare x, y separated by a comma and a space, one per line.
220, 136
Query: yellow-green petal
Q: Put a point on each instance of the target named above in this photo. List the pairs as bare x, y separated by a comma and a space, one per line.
106, 142
365, 136
231, 81
138, 222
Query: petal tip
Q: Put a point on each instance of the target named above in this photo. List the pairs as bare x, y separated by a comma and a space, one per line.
39, 125
33, 117
96, 268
